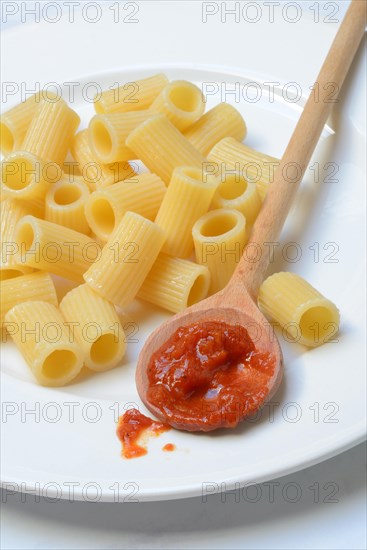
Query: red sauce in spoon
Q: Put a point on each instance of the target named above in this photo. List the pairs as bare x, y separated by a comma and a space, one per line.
208, 376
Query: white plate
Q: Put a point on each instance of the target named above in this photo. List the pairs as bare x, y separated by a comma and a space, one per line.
319, 410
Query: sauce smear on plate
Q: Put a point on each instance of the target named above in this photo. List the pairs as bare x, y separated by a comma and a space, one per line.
132, 425
169, 447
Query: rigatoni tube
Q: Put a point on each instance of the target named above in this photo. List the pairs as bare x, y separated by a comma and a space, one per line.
235, 192
95, 174
14, 123
132, 96
174, 283
220, 122
307, 316
188, 197
96, 327
181, 101
11, 211
26, 176
13, 270
108, 133
65, 202
54, 248
142, 194
162, 148
230, 154
126, 259
39, 331
219, 238
51, 131
35, 286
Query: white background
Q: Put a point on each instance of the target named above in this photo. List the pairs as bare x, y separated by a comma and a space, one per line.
228, 521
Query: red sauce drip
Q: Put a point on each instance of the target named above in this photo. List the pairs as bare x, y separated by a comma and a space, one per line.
208, 376
131, 426
169, 447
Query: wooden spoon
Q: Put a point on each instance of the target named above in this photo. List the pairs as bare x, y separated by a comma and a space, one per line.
236, 304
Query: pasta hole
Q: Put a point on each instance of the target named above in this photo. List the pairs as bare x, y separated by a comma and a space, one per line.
67, 194
185, 97
103, 216
25, 236
317, 324
101, 138
58, 364
194, 173
7, 140
198, 290
233, 187
218, 225
6, 274
104, 349
18, 173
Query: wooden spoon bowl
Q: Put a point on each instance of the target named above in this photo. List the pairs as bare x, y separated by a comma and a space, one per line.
239, 310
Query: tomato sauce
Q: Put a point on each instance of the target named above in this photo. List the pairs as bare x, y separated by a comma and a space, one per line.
132, 425
207, 376
169, 447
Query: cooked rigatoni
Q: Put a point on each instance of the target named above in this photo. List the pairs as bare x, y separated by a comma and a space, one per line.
202, 194
34, 286
126, 259
51, 247
219, 238
230, 154
188, 197
15, 122
70, 167
108, 133
11, 211
10, 271
105, 208
39, 331
132, 96
51, 131
235, 192
162, 148
97, 327
26, 176
220, 122
65, 202
306, 315
181, 101
174, 283
95, 174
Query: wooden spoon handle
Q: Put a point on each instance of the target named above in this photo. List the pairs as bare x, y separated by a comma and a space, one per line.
289, 173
